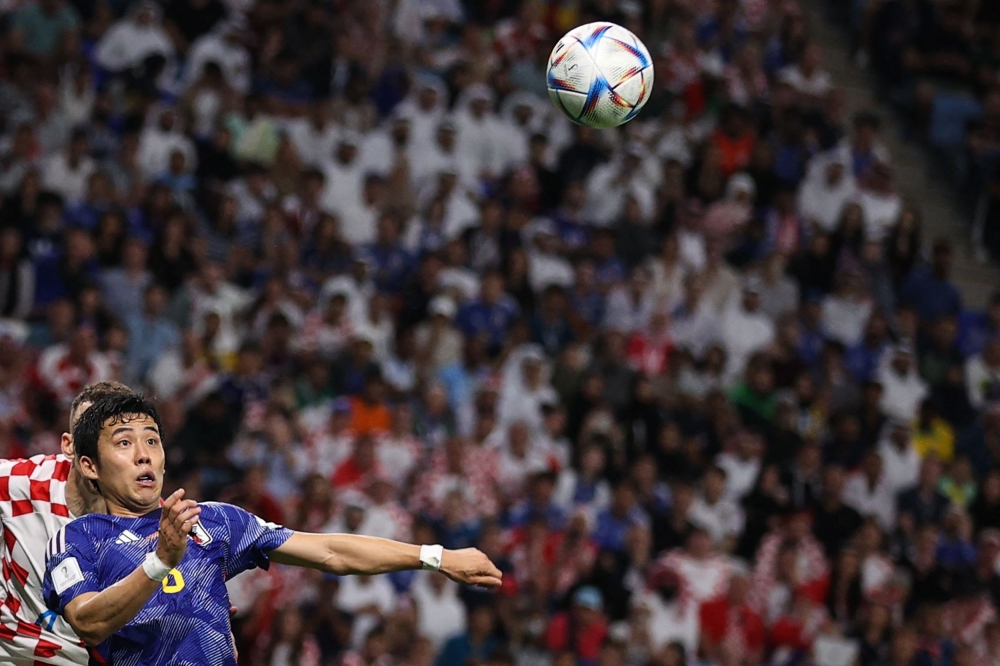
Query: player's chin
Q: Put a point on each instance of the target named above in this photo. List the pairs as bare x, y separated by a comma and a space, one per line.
146, 491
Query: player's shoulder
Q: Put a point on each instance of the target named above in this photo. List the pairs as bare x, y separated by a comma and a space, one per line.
86, 532
230, 514
38, 467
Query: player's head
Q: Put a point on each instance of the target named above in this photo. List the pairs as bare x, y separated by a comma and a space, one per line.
119, 448
87, 397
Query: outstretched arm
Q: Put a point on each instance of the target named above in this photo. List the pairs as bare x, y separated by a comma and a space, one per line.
345, 554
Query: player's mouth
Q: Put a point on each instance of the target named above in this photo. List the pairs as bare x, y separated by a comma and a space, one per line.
146, 480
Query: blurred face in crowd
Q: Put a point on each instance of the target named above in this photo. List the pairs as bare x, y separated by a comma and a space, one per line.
492, 289
872, 467
714, 485
623, 499
428, 98
902, 362
833, 482
930, 472
519, 438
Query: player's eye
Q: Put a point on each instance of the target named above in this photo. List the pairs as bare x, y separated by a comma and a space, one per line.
152, 442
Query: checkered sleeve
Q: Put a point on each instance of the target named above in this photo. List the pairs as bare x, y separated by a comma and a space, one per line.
70, 566
26, 485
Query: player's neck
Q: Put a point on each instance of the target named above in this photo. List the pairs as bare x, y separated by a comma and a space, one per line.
81, 497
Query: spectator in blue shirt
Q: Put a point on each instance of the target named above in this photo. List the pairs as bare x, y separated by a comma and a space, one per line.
96, 202
928, 288
122, 288
539, 504
862, 359
390, 264
476, 645
66, 274
614, 522
977, 327
493, 313
550, 325
150, 333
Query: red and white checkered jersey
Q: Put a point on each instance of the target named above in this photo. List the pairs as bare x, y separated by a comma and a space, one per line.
32, 509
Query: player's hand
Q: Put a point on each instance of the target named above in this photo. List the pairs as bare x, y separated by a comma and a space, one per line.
176, 520
470, 566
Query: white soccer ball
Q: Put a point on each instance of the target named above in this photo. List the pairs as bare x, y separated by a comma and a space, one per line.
599, 75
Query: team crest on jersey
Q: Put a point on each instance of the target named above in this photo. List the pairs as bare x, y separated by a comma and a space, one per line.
200, 535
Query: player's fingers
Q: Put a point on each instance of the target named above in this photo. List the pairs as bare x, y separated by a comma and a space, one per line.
182, 505
189, 516
490, 582
173, 499
491, 570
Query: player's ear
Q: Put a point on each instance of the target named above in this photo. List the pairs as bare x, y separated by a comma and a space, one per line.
89, 467
66, 445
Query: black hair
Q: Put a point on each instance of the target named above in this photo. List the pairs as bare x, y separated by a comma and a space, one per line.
96, 393
116, 408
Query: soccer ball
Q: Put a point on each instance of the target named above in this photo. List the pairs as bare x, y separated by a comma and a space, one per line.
599, 75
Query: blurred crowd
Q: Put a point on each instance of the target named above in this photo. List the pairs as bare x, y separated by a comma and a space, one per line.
698, 385
938, 63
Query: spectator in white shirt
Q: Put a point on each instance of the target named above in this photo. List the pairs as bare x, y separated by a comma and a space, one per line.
480, 133
314, 136
742, 464
225, 46
440, 611
66, 173
695, 323
369, 599
879, 202
546, 267
344, 193
869, 493
425, 108
779, 294
846, 311
212, 294
158, 140
982, 374
807, 77
137, 36
630, 305
828, 187
442, 153
722, 518
899, 457
610, 183
745, 327
902, 387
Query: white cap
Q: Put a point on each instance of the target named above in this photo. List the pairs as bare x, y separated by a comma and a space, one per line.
442, 305
741, 182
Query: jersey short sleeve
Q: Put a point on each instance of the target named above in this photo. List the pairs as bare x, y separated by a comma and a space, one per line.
250, 539
70, 569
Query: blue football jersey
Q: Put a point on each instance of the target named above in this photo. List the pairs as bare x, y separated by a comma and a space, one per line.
186, 622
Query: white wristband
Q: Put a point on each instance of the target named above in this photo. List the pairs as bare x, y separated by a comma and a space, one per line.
154, 567
430, 557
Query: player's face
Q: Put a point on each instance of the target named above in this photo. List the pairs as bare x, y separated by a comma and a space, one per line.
130, 468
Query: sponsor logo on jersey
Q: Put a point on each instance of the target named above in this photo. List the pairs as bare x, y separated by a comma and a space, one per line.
127, 537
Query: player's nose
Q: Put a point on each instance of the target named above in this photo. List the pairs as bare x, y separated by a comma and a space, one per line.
142, 454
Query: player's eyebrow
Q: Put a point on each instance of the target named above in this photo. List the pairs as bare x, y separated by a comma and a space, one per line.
121, 429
